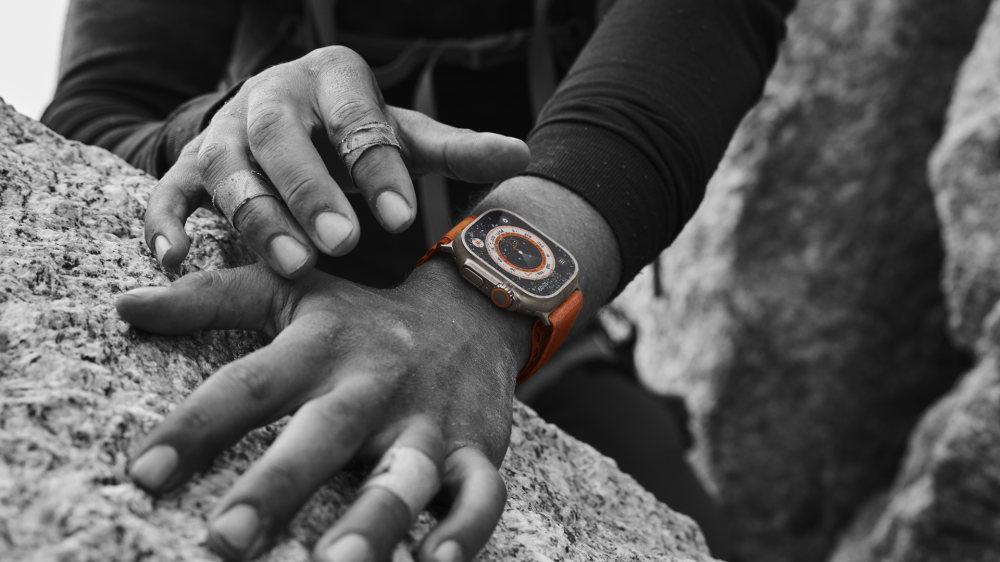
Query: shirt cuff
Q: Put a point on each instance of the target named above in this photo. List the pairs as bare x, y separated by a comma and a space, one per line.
618, 180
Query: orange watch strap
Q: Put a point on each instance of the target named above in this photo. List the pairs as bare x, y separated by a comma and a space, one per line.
446, 239
545, 340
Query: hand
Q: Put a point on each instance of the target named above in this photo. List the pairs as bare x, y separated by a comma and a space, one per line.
430, 365
286, 121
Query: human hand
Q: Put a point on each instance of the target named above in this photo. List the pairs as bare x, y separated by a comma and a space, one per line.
286, 122
428, 365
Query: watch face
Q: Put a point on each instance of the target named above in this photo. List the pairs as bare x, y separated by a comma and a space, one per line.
526, 257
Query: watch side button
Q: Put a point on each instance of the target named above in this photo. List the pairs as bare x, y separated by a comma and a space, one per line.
472, 277
500, 297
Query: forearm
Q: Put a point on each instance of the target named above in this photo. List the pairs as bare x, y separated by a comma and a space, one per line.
138, 76
642, 120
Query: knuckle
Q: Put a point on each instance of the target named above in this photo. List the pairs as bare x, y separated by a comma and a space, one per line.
256, 218
297, 187
251, 382
211, 155
264, 123
345, 415
204, 280
332, 55
196, 424
282, 480
349, 112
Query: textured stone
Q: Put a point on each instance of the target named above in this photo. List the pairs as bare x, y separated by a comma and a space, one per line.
77, 388
965, 173
945, 504
800, 310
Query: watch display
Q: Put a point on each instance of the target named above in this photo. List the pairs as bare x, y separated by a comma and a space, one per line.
524, 256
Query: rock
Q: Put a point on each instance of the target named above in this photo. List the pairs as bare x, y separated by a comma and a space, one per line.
965, 172
801, 312
945, 503
78, 387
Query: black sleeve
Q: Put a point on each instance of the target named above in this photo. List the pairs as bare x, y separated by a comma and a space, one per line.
137, 77
643, 118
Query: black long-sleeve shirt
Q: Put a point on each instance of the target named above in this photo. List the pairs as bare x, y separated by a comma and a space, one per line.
636, 127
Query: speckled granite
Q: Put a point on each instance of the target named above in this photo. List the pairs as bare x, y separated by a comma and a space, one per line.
801, 312
77, 387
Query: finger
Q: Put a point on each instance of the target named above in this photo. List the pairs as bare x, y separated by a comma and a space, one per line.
479, 496
265, 223
433, 147
348, 98
241, 396
324, 434
246, 298
282, 146
178, 194
401, 486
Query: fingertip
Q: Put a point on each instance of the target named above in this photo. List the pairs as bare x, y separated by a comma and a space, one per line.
337, 233
132, 306
513, 155
487, 157
395, 213
289, 257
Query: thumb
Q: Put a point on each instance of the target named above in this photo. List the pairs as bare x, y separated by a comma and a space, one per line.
244, 298
432, 147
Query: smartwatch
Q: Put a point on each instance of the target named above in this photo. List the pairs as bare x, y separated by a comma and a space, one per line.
521, 270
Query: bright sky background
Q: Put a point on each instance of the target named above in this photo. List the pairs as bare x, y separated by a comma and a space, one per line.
30, 35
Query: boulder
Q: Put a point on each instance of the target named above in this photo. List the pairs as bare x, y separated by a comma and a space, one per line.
800, 310
945, 503
78, 387
965, 173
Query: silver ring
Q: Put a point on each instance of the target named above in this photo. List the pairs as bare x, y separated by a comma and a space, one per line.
355, 142
238, 189
407, 473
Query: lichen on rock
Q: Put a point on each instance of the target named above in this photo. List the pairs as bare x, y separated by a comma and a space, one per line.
78, 387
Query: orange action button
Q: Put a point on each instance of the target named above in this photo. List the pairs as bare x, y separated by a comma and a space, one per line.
500, 297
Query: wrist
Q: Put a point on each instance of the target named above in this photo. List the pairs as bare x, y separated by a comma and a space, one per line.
437, 281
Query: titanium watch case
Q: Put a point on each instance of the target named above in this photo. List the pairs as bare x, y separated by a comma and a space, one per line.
488, 278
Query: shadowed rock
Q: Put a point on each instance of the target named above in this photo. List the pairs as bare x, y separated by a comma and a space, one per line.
945, 504
801, 310
78, 387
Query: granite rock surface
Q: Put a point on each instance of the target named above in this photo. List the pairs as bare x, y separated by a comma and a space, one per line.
945, 503
800, 310
78, 387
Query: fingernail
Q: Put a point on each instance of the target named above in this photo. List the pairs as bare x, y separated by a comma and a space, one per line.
289, 253
162, 246
154, 467
238, 526
448, 551
393, 209
143, 292
349, 548
333, 229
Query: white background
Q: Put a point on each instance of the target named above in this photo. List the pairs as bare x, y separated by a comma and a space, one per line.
30, 36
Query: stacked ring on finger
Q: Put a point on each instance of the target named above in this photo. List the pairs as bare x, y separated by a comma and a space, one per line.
238, 189
355, 142
407, 473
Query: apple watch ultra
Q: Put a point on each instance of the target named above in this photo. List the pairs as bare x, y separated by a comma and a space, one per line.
520, 269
